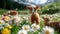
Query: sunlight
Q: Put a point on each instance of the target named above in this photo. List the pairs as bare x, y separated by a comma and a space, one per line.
37, 1
43, 1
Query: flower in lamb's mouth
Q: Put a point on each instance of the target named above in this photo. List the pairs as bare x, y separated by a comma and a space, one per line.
22, 32
26, 27
47, 30
35, 27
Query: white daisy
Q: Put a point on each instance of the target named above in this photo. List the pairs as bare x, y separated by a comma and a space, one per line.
26, 27
47, 30
35, 27
2, 22
22, 32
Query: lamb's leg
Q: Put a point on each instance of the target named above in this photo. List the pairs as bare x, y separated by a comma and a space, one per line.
38, 21
32, 19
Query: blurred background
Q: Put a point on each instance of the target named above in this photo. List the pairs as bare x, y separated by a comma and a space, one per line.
49, 7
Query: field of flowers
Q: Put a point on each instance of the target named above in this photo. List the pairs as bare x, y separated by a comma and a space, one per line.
24, 25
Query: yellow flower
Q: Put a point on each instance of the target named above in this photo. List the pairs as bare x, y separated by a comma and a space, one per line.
0, 22
9, 26
26, 28
5, 31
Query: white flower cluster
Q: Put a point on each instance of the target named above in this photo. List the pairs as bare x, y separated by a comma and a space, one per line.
26, 28
3, 24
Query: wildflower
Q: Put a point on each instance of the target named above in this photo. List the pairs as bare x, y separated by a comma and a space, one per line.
1, 22
9, 26
35, 27
47, 30
5, 31
22, 32
26, 27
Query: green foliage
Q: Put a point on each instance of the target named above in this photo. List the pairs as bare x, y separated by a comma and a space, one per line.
50, 9
23, 11
2, 11
15, 29
9, 4
24, 22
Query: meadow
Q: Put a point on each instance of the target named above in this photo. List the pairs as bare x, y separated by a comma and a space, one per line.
24, 16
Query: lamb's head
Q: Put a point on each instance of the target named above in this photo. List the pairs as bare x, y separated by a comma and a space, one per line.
36, 8
45, 19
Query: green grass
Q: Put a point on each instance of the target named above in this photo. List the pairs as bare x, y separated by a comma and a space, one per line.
2, 11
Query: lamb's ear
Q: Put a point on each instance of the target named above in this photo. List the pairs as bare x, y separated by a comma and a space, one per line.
28, 7
37, 8
43, 17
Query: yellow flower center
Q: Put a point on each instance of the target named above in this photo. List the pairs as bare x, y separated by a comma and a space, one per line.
0, 22
22, 33
47, 31
26, 28
35, 27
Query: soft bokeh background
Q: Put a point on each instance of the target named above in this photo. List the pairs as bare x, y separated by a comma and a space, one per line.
49, 7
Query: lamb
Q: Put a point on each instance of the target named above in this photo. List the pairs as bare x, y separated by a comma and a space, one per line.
6, 18
14, 13
34, 15
55, 24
